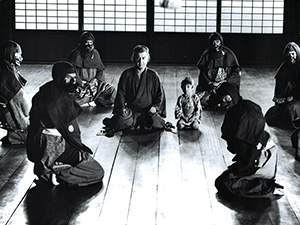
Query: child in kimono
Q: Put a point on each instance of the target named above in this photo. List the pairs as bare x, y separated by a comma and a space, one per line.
188, 107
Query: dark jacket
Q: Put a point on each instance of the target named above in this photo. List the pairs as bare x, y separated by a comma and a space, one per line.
243, 130
52, 107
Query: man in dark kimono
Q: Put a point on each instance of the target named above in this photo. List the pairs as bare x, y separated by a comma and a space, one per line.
140, 100
90, 68
217, 64
54, 139
286, 110
253, 172
14, 102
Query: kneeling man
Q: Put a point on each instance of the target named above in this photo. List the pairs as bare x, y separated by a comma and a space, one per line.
54, 139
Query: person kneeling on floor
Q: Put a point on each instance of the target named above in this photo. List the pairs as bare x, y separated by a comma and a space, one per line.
253, 172
54, 140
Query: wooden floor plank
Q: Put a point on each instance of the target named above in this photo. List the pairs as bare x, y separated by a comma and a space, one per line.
170, 188
144, 193
213, 164
67, 201
119, 191
32, 209
36, 76
170, 208
4, 149
14, 157
14, 190
197, 203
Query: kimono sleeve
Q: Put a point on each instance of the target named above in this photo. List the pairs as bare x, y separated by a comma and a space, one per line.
234, 75
120, 97
100, 69
178, 108
158, 95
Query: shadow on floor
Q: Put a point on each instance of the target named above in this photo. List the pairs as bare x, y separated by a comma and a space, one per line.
251, 211
48, 204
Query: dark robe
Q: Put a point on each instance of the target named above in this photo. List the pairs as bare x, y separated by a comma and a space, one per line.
208, 68
295, 137
14, 103
10, 81
52, 107
253, 172
90, 67
287, 84
136, 96
242, 128
92, 64
211, 64
58, 111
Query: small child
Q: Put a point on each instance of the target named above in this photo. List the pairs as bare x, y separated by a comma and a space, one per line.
188, 108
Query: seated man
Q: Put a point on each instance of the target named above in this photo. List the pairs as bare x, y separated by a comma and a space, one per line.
286, 110
14, 102
89, 66
217, 64
54, 139
253, 172
188, 107
140, 100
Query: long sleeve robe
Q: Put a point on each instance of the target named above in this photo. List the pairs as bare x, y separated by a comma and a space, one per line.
15, 104
287, 85
209, 69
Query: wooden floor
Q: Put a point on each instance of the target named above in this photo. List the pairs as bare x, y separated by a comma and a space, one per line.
161, 178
